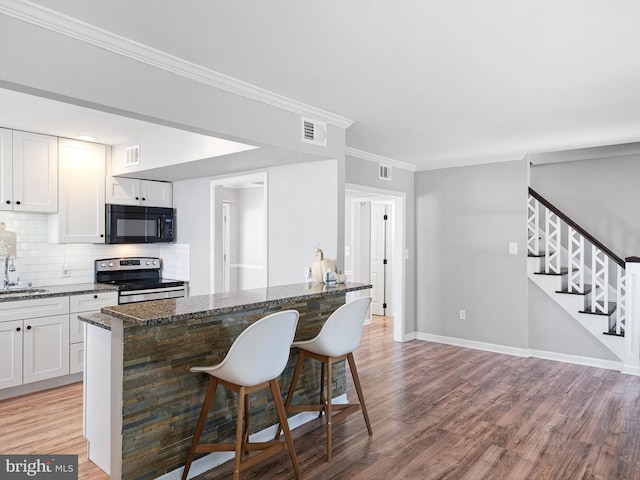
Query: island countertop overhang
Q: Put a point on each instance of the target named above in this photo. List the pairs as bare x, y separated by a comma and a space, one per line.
187, 308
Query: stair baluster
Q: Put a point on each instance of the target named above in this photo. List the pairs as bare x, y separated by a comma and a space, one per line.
599, 281
533, 226
621, 300
576, 261
552, 244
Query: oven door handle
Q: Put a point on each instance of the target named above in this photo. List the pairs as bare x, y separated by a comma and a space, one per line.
152, 290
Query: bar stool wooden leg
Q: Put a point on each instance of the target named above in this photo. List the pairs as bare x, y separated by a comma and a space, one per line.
282, 417
245, 437
356, 381
321, 388
202, 419
292, 387
329, 414
241, 403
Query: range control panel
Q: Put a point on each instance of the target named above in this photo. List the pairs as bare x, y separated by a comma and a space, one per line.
130, 263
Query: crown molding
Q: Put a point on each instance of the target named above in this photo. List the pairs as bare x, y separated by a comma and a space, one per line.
57, 22
372, 157
468, 162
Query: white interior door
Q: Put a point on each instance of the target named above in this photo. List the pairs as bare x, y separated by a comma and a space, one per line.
379, 258
226, 247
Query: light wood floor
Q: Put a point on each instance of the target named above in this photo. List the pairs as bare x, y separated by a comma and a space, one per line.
437, 411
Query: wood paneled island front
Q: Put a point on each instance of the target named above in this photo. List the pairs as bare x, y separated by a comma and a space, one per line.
142, 402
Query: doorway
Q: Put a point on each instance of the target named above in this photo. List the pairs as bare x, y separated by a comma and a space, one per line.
375, 247
239, 233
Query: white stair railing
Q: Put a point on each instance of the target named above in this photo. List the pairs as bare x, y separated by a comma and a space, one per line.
602, 292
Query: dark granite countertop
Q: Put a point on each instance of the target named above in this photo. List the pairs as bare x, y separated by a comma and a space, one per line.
55, 291
174, 309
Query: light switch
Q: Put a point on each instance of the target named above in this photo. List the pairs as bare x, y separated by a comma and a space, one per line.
513, 248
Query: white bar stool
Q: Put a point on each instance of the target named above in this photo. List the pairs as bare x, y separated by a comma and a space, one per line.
254, 361
337, 340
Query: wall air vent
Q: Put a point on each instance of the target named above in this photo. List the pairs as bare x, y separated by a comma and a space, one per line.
132, 156
384, 172
314, 132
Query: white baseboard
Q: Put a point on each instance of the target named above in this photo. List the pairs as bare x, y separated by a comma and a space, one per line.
523, 352
409, 336
631, 370
577, 359
41, 385
206, 463
461, 342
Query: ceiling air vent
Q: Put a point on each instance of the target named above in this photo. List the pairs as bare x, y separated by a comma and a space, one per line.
314, 132
384, 172
132, 156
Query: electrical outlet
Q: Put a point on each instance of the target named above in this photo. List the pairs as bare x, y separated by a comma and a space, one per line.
65, 270
513, 248
463, 314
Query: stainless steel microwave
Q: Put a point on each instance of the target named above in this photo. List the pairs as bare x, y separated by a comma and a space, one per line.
136, 224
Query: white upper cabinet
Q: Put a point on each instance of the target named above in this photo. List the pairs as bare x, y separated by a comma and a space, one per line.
81, 211
131, 191
30, 172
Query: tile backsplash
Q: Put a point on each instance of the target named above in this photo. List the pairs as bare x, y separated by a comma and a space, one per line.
42, 263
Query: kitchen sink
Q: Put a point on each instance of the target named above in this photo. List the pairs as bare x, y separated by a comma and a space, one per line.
23, 290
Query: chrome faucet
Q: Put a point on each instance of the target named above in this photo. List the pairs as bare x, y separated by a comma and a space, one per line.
8, 267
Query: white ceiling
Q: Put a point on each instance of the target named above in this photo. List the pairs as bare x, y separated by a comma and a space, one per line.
427, 83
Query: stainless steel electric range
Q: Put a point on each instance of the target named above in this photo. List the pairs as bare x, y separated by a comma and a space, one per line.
139, 279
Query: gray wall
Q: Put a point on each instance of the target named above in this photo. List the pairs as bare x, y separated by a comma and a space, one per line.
601, 195
364, 173
465, 219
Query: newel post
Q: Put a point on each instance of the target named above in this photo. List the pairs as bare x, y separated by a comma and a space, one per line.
632, 328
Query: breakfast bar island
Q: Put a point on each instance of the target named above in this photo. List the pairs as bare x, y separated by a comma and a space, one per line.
142, 402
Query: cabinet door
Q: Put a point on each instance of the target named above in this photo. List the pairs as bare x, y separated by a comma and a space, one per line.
156, 194
123, 191
76, 328
6, 169
10, 354
81, 201
46, 348
35, 172
76, 358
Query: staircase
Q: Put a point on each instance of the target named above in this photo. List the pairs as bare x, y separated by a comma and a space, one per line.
582, 275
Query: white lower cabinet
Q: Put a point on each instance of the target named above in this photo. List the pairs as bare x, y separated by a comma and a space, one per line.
42, 338
45, 348
10, 354
34, 340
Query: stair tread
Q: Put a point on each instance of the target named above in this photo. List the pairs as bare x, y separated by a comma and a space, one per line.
563, 271
587, 290
612, 308
614, 334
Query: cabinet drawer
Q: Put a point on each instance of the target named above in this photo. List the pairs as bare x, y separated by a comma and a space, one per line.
38, 307
92, 301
